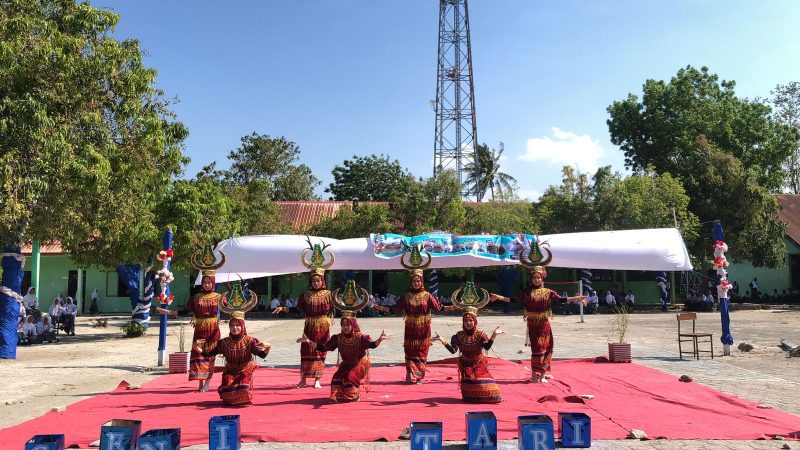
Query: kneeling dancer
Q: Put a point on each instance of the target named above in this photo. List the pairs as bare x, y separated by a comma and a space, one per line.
477, 384
238, 349
352, 344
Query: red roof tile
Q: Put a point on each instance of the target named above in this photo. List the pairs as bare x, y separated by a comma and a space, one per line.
790, 214
44, 249
303, 214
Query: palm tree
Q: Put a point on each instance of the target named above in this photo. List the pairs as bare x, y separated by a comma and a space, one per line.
485, 175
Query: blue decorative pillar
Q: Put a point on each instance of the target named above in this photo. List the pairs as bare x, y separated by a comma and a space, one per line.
720, 263
12, 263
165, 277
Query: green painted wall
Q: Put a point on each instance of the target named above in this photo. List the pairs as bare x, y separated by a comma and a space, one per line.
54, 278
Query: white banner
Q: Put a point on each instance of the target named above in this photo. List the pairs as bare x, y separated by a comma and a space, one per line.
660, 249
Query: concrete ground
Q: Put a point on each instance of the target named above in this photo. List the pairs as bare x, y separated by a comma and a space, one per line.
97, 359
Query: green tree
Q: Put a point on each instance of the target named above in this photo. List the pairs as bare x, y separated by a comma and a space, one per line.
273, 160
199, 212
431, 204
786, 103
661, 129
485, 175
88, 143
369, 178
610, 202
499, 218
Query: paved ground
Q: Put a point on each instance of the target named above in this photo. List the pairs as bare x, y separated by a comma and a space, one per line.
95, 361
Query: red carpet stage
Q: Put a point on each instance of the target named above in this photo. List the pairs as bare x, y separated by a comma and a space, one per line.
626, 396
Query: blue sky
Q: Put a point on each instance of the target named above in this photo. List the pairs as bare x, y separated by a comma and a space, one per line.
355, 77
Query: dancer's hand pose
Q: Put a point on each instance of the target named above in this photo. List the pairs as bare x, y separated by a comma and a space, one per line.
383, 337
496, 332
436, 337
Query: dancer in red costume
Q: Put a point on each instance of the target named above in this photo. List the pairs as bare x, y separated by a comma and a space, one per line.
315, 303
538, 301
475, 380
238, 349
352, 344
205, 308
416, 304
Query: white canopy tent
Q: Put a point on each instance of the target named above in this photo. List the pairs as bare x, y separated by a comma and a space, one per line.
660, 249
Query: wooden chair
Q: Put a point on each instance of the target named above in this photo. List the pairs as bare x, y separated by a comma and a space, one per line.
694, 337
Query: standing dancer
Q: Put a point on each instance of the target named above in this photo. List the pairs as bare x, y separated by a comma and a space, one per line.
316, 304
475, 381
417, 304
352, 344
236, 387
205, 308
538, 302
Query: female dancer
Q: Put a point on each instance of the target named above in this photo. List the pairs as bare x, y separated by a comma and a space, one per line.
477, 384
238, 349
417, 305
205, 308
538, 301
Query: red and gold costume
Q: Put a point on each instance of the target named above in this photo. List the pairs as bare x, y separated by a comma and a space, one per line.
316, 304
354, 363
538, 302
477, 384
238, 350
417, 305
205, 307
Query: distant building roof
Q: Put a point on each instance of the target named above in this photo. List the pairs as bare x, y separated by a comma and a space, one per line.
790, 214
303, 214
44, 249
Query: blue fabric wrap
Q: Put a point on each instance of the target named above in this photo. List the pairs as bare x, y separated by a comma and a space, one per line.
129, 274
9, 307
724, 313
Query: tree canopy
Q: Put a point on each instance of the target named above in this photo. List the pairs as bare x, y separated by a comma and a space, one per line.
369, 178
88, 142
786, 110
274, 162
728, 153
661, 129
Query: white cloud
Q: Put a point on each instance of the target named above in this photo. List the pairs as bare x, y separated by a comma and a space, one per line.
565, 148
530, 194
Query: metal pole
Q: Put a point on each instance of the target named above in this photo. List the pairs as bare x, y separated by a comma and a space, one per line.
580, 292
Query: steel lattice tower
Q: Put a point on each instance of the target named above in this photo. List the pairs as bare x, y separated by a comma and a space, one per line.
456, 131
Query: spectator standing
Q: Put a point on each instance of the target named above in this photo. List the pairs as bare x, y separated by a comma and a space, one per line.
95, 308
31, 301
754, 289
663, 292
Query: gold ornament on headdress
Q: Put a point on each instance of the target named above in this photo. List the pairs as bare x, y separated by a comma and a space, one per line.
235, 301
415, 263
237, 315
470, 298
536, 256
206, 262
318, 263
352, 299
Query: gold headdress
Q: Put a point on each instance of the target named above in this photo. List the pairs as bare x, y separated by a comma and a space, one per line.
318, 263
353, 299
236, 303
468, 298
536, 259
206, 262
415, 264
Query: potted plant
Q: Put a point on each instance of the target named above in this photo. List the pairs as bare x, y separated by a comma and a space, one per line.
619, 350
179, 361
